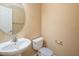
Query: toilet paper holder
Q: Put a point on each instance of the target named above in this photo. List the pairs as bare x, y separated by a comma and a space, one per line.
59, 42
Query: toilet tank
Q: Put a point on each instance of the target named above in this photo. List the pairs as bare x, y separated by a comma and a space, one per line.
37, 43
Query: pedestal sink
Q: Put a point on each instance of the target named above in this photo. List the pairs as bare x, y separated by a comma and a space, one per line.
12, 49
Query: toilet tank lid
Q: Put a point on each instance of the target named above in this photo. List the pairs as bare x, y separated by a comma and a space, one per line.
37, 39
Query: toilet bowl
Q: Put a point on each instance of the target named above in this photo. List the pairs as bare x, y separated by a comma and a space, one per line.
38, 46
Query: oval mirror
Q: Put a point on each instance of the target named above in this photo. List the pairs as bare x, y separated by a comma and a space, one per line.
12, 18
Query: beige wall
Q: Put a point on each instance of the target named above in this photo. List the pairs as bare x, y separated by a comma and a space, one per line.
61, 22
3, 36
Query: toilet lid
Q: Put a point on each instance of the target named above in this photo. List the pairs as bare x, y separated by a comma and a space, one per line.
46, 51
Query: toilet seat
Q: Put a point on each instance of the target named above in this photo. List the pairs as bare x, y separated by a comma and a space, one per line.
45, 52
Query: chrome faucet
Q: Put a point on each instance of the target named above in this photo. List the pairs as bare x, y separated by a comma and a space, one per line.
13, 36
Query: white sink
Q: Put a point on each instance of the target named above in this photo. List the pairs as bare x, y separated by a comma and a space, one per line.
10, 48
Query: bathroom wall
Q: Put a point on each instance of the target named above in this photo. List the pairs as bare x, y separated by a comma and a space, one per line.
3, 36
61, 22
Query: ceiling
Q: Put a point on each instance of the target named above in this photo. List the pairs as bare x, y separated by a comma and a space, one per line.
12, 5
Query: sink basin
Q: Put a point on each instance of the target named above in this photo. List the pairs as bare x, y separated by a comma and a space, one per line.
11, 48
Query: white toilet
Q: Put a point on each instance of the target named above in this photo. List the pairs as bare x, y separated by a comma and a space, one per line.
38, 46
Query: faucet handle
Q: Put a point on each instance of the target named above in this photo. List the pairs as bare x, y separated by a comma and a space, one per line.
14, 38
